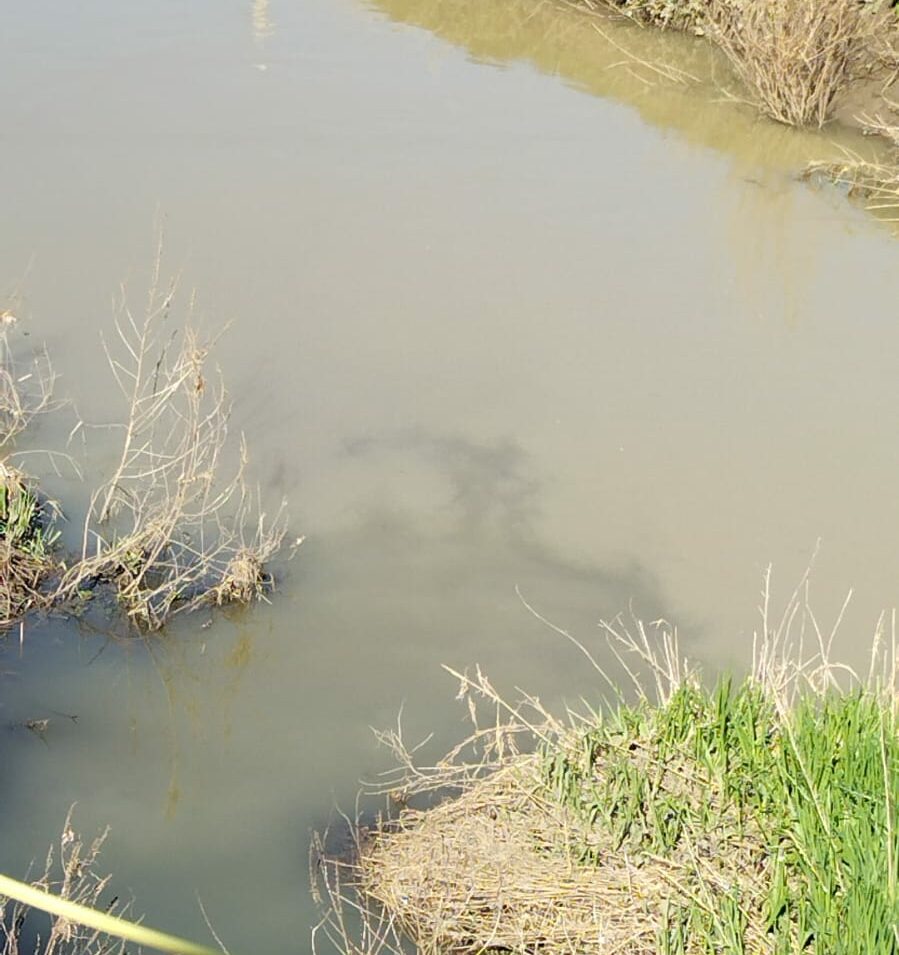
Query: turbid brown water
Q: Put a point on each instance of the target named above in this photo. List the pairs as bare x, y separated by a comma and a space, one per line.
509, 309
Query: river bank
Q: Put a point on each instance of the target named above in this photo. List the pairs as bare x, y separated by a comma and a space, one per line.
803, 62
683, 816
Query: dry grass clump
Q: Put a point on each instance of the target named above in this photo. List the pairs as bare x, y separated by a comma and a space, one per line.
168, 528
508, 864
244, 579
874, 184
174, 524
69, 873
498, 868
796, 56
756, 817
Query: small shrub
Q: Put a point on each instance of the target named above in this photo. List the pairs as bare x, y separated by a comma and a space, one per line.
796, 56
874, 184
172, 527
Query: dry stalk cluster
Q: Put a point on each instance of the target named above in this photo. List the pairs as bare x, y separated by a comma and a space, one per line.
497, 862
796, 56
171, 528
874, 184
69, 873
691, 822
174, 525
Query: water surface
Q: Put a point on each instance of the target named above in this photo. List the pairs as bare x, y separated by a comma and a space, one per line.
507, 309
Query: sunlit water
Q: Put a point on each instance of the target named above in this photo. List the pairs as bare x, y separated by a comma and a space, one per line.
509, 309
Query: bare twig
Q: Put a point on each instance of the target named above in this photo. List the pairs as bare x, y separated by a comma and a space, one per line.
172, 527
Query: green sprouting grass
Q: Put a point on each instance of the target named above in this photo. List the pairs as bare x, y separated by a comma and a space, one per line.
26, 547
778, 828
21, 523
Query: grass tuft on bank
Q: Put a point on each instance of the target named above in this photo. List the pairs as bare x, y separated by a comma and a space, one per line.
753, 816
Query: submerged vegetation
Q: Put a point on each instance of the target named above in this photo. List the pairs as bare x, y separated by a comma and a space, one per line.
755, 816
174, 524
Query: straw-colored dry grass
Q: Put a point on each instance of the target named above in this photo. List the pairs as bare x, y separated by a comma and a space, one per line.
690, 15
69, 872
874, 184
497, 869
502, 867
174, 524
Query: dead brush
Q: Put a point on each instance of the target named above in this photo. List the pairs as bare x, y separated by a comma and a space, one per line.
243, 580
687, 15
797, 56
174, 525
874, 185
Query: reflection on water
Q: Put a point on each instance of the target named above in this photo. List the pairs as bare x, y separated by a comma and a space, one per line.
262, 24
675, 81
489, 487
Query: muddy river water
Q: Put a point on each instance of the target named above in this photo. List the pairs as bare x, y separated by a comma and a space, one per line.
510, 305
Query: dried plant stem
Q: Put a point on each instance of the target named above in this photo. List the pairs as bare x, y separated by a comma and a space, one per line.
172, 526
